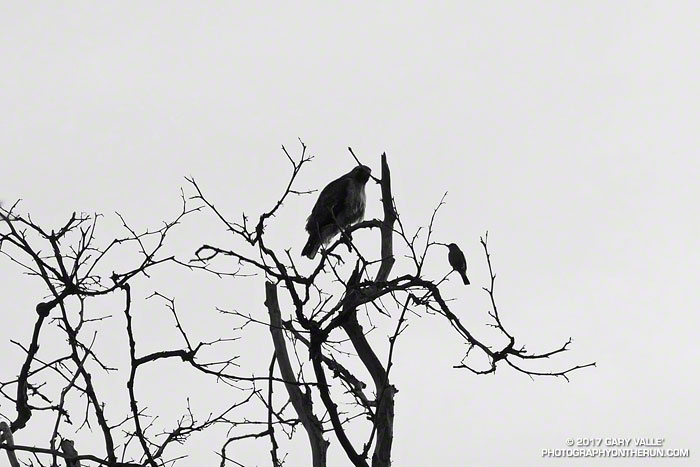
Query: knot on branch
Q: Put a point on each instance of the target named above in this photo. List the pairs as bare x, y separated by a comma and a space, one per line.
44, 308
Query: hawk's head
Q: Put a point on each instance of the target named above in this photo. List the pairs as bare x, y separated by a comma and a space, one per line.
361, 173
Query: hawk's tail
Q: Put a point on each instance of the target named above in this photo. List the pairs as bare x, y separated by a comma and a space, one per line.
311, 247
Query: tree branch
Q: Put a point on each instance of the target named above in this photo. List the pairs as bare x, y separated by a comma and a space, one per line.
300, 401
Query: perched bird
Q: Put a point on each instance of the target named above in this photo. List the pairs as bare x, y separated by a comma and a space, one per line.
68, 449
457, 261
340, 205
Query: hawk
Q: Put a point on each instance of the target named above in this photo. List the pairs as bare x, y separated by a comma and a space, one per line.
340, 205
458, 261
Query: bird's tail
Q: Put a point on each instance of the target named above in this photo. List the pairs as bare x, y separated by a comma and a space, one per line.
311, 247
464, 278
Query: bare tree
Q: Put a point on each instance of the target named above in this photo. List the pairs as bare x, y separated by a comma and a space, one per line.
69, 271
316, 313
318, 324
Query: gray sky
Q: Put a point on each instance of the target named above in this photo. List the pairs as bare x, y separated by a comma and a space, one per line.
569, 130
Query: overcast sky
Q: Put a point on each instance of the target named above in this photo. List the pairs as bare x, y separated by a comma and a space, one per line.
568, 130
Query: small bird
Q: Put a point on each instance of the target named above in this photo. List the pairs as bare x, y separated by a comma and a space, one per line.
68, 449
340, 205
458, 261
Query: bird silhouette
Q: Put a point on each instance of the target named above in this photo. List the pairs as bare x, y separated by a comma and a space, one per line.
458, 261
340, 205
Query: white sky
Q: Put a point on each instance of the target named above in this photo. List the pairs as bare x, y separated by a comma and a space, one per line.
569, 130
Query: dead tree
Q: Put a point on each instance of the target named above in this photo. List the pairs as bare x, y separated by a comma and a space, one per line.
326, 324
317, 321
71, 265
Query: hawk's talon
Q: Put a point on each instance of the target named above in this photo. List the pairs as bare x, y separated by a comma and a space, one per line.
347, 239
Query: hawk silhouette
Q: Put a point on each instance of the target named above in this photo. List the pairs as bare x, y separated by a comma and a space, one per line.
458, 261
340, 205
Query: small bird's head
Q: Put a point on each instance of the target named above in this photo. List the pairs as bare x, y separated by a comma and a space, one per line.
452, 247
361, 173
